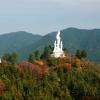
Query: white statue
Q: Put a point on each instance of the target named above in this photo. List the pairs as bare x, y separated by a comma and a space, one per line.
0, 61
58, 36
58, 47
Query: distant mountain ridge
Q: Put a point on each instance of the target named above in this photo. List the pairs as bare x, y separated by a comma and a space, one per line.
16, 40
25, 43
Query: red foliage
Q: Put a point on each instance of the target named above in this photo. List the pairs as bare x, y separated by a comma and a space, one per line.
68, 65
25, 64
39, 69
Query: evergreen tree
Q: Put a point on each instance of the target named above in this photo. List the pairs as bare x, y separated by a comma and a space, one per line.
47, 52
37, 54
6, 57
13, 58
10, 58
31, 58
83, 54
65, 50
78, 54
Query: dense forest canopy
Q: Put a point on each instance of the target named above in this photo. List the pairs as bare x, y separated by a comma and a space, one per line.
42, 77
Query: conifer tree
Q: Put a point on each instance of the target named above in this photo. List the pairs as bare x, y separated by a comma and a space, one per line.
83, 54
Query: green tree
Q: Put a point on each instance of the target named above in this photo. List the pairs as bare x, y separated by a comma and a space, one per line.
47, 52
83, 54
6, 57
10, 58
65, 50
31, 58
37, 54
78, 53
52, 61
13, 58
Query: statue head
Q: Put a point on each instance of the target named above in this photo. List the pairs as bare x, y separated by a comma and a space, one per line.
58, 35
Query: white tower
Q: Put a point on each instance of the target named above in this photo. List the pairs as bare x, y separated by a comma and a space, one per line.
58, 47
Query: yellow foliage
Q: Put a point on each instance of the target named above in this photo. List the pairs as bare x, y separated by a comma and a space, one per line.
39, 62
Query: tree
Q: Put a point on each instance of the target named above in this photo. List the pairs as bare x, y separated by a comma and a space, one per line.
51, 48
65, 50
13, 58
47, 52
37, 54
83, 54
10, 58
6, 57
78, 53
52, 61
31, 58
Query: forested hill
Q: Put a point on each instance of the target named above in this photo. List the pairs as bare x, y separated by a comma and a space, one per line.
73, 39
14, 41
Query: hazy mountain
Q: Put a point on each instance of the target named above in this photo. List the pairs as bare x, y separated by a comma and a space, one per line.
73, 39
16, 40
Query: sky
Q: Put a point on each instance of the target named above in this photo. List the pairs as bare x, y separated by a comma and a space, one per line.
44, 16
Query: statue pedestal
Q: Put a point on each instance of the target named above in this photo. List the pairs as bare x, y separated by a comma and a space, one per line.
58, 54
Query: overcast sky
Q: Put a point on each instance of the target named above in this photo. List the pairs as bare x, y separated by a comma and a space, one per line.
43, 16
